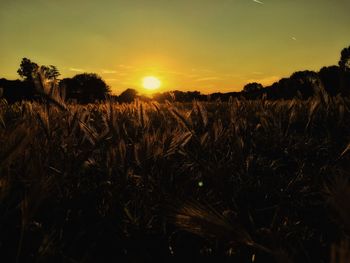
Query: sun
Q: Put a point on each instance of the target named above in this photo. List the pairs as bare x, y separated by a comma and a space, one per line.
151, 83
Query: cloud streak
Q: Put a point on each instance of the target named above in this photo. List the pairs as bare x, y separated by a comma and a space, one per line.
76, 69
208, 78
258, 2
108, 71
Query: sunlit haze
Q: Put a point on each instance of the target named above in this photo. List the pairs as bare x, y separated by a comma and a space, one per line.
151, 83
200, 45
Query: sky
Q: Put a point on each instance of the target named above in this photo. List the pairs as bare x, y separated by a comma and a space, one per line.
205, 45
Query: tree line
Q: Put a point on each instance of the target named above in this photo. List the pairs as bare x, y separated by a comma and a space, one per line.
90, 87
83, 88
332, 80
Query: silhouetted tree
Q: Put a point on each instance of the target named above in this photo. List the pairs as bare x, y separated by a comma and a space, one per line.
16, 90
162, 97
301, 84
127, 96
27, 68
85, 88
187, 96
330, 77
252, 87
181, 96
306, 82
344, 62
218, 96
51, 72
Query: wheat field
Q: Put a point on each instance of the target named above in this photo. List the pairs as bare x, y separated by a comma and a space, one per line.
246, 181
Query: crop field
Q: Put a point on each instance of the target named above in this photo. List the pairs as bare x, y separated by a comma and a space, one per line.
243, 181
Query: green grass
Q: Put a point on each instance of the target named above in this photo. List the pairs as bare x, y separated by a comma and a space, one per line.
262, 181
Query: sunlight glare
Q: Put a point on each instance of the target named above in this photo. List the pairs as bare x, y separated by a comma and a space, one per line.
151, 83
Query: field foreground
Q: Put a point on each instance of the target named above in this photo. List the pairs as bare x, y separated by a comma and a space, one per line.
246, 181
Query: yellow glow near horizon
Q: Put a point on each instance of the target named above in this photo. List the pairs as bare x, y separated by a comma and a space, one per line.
151, 83
187, 44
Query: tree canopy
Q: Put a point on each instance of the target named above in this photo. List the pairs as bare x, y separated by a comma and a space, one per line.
330, 77
344, 62
27, 68
85, 87
252, 87
127, 95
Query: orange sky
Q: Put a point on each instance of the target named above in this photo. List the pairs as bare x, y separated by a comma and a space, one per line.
205, 45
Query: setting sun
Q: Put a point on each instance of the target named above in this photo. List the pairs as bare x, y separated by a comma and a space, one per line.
151, 83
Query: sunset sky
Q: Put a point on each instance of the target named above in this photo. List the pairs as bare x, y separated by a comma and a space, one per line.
205, 45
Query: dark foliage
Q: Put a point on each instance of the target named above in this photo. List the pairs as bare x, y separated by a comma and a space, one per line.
344, 62
17, 90
223, 96
330, 77
51, 72
26, 69
180, 96
127, 96
252, 87
85, 88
